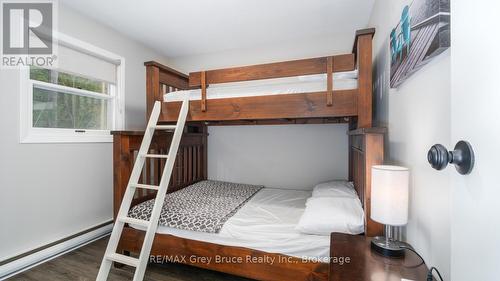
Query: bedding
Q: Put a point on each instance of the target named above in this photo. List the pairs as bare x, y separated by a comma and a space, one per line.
267, 223
278, 86
204, 206
336, 188
324, 215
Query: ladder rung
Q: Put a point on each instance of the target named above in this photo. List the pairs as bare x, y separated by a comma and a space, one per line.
165, 127
146, 186
124, 259
155, 155
134, 221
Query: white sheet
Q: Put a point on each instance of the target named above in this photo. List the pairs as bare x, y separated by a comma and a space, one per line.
279, 86
267, 223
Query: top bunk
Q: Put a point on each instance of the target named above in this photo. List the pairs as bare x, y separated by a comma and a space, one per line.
329, 89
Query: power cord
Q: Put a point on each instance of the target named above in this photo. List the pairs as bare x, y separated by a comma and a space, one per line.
430, 277
412, 250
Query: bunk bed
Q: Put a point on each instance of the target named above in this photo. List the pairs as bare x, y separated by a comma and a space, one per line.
329, 104
263, 103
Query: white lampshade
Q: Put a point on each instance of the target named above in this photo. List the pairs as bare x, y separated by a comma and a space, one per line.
389, 202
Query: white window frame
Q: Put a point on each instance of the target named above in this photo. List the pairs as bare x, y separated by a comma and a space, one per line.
30, 134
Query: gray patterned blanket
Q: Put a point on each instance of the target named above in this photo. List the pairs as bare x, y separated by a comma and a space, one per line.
204, 206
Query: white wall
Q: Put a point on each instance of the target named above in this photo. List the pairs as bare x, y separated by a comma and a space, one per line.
340, 43
85, 29
51, 191
418, 116
475, 103
292, 156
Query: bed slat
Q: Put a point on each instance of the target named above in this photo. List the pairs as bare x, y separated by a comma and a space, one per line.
203, 91
329, 81
188, 169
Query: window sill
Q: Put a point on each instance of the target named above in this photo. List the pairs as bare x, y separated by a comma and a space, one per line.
100, 137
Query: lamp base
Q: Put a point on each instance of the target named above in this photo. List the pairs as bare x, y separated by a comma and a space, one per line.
387, 247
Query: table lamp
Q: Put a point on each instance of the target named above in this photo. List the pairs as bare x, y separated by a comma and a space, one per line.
389, 206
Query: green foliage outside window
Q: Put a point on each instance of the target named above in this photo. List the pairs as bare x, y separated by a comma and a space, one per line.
57, 109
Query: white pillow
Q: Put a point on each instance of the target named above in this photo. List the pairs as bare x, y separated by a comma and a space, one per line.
336, 188
324, 215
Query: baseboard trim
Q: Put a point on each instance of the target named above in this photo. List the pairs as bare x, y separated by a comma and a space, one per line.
25, 261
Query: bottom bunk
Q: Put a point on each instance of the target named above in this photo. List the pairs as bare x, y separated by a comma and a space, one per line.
256, 239
246, 230
266, 222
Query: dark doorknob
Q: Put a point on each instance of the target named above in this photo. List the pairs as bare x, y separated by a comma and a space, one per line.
462, 157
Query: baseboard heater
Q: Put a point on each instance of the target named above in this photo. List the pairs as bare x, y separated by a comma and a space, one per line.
25, 261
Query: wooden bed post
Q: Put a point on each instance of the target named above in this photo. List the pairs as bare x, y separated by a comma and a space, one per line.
158, 76
363, 51
366, 148
122, 167
152, 88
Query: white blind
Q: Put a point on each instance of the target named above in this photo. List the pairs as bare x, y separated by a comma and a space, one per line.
77, 62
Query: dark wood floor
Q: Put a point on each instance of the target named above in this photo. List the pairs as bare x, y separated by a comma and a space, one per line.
83, 264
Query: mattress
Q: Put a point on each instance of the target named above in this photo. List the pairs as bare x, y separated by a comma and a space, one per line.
266, 223
278, 86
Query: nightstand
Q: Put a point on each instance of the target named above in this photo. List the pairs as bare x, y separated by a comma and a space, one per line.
353, 260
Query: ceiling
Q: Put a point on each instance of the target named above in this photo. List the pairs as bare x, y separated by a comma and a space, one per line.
180, 28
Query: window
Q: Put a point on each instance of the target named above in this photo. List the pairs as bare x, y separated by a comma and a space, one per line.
79, 101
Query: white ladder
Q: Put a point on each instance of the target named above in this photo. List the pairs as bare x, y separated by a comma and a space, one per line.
141, 263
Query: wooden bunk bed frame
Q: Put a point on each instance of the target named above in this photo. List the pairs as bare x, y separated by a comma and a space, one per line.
329, 106
365, 149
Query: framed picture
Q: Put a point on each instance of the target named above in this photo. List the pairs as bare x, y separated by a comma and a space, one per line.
422, 33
